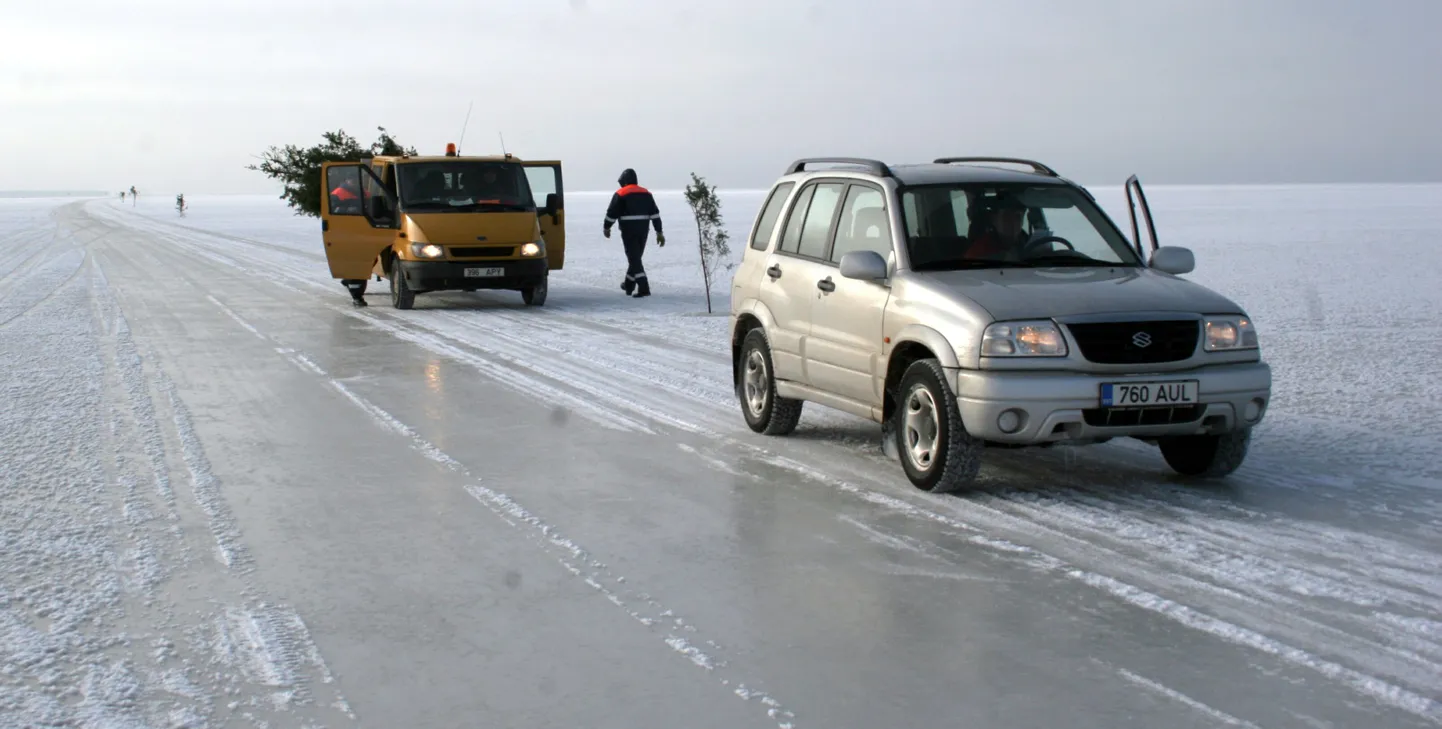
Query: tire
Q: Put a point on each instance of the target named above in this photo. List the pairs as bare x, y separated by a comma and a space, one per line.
1210, 456
936, 452
536, 295
402, 297
765, 411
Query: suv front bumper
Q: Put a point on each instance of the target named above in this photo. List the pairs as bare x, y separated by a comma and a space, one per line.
1062, 406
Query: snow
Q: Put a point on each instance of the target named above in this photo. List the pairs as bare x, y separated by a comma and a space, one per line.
1322, 553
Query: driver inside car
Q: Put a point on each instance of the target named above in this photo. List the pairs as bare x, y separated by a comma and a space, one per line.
1004, 236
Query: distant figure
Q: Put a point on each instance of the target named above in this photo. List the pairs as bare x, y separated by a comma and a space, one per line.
633, 206
133, 195
122, 196
180, 204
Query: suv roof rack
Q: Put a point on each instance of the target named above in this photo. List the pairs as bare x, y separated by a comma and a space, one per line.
875, 167
1039, 167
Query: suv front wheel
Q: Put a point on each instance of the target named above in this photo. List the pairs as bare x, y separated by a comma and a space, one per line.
765, 411
937, 453
1206, 455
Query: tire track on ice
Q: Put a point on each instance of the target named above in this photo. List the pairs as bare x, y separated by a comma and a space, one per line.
575, 559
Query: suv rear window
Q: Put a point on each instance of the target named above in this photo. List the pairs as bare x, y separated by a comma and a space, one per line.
761, 235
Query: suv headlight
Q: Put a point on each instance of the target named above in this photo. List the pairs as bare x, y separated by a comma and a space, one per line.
1229, 333
531, 250
427, 250
1023, 339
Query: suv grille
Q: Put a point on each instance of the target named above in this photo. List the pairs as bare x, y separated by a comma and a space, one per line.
482, 251
1113, 417
1137, 342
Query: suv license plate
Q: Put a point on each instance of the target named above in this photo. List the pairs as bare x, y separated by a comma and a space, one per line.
484, 272
1144, 394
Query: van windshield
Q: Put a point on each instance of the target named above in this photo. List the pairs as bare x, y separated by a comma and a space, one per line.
464, 186
996, 225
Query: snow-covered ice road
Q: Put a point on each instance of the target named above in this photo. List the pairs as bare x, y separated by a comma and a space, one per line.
230, 499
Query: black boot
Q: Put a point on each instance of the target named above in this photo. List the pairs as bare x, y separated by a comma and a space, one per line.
628, 286
643, 289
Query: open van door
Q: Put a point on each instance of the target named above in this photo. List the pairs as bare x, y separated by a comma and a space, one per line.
545, 179
354, 235
1134, 184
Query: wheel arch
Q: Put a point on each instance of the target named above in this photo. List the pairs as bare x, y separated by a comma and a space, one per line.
913, 343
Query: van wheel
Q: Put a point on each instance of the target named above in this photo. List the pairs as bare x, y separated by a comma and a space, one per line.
937, 453
536, 295
1211, 456
765, 411
401, 294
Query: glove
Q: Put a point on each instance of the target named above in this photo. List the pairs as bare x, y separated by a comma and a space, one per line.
660, 240
606, 232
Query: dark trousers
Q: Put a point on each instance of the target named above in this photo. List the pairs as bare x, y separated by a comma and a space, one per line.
635, 270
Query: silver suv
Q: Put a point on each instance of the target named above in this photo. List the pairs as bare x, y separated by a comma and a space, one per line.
964, 305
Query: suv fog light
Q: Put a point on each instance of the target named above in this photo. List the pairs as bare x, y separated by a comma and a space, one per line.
1010, 421
1253, 410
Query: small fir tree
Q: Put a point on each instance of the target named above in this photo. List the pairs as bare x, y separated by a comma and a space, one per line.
711, 236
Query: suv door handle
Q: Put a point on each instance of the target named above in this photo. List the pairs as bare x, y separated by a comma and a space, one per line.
774, 272
826, 285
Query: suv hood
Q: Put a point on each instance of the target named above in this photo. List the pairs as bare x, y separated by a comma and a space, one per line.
1044, 293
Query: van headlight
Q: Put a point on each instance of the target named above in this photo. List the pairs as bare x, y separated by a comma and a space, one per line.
1023, 339
427, 250
531, 250
1229, 333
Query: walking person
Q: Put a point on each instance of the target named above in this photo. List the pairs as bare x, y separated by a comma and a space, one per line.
633, 207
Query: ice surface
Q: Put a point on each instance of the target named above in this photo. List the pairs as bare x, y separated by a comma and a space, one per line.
1320, 560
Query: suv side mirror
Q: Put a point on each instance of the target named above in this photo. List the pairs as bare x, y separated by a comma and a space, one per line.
863, 265
1175, 260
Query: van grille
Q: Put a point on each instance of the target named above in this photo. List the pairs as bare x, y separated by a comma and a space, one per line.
482, 251
1137, 342
1119, 417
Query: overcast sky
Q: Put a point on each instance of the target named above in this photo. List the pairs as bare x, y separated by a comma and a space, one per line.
180, 96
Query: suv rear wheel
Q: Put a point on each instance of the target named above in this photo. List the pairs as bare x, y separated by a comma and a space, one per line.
937, 453
1206, 455
765, 411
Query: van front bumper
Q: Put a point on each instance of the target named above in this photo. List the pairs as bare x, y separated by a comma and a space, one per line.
1061, 406
451, 275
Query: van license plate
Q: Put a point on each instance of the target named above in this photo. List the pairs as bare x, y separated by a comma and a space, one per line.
485, 272
1143, 394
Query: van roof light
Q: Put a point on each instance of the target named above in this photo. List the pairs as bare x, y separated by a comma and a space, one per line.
450, 149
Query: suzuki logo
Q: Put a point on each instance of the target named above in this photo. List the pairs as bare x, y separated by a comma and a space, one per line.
1142, 340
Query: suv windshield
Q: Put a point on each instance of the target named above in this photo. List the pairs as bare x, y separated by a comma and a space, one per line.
992, 225
464, 186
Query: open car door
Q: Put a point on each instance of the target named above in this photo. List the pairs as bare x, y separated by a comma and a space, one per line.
545, 179
1134, 184
353, 220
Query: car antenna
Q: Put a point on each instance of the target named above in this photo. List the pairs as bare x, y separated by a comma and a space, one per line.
503, 144
465, 124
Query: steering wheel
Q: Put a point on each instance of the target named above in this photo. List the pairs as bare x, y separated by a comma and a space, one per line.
1026, 250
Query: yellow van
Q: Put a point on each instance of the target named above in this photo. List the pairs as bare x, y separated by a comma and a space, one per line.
444, 223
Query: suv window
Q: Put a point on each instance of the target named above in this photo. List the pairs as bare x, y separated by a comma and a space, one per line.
761, 236
980, 225
864, 223
791, 237
816, 230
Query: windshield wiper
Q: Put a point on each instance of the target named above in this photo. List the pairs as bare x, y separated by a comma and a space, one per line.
1061, 261
962, 264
